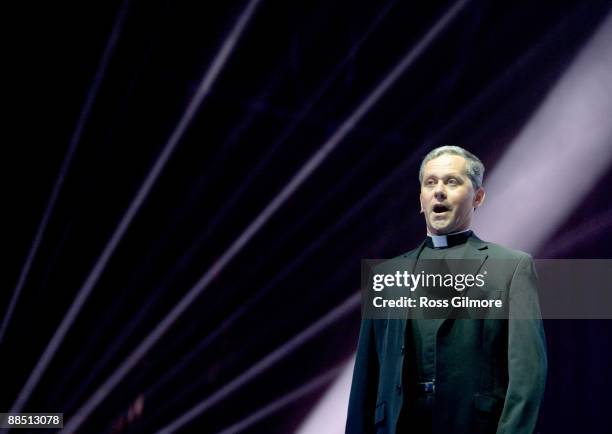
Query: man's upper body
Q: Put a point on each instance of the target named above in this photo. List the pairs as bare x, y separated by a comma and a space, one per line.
489, 373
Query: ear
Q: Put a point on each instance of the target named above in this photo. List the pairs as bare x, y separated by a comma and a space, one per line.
421, 202
479, 198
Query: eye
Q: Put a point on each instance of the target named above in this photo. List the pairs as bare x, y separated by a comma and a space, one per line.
452, 181
429, 182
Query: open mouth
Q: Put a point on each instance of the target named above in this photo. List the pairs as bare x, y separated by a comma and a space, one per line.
439, 209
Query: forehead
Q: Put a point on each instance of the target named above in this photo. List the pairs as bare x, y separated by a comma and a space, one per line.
445, 165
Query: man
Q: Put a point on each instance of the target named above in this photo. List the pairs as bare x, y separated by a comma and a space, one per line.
454, 376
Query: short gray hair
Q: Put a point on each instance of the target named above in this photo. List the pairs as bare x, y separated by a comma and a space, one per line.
475, 168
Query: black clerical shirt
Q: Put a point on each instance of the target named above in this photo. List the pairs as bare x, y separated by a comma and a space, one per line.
424, 330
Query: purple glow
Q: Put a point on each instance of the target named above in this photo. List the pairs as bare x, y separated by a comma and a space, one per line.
558, 157
333, 408
277, 404
275, 356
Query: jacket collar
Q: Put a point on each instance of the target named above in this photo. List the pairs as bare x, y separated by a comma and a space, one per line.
477, 248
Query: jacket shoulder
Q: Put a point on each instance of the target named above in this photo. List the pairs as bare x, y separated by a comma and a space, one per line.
495, 250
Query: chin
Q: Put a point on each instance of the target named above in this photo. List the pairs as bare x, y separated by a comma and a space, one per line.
440, 231
443, 230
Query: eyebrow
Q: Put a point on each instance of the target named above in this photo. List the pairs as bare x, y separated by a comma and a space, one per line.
449, 175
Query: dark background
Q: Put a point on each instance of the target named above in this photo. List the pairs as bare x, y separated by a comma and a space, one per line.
299, 70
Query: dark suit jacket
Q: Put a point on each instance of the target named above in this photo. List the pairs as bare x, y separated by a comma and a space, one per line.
490, 373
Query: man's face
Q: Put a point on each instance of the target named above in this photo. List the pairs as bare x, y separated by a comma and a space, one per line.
447, 196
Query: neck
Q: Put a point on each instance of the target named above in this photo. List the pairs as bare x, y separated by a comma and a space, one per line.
448, 240
449, 233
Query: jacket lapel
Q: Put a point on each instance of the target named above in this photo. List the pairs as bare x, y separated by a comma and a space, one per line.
412, 255
476, 252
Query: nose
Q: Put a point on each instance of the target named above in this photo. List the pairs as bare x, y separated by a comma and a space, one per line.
440, 191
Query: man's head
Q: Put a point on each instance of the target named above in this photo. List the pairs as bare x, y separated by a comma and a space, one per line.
451, 189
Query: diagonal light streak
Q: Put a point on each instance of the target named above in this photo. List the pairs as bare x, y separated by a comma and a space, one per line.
59, 182
316, 383
558, 156
203, 90
214, 334
296, 121
309, 167
587, 231
262, 365
327, 407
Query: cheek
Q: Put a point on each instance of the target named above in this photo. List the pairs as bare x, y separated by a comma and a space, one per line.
423, 198
463, 202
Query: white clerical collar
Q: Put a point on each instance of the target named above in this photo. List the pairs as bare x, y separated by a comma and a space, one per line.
442, 240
